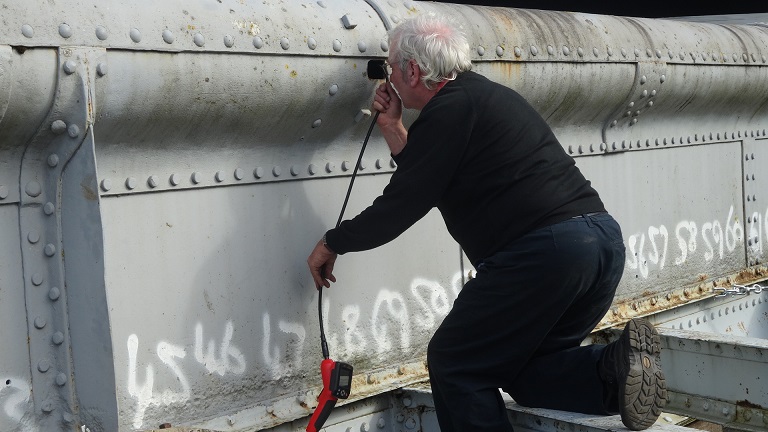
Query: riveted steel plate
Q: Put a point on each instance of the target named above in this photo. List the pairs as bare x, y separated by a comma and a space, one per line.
675, 234
221, 297
15, 379
265, 27
756, 201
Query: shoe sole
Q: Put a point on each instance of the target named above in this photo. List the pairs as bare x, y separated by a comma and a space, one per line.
643, 391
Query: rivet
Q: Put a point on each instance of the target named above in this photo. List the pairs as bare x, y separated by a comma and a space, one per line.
40, 322
27, 30
329, 167
384, 45
198, 39
101, 69
378, 164
348, 22
650, 103
603, 146
407, 401
364, 427
381, 423
65, 31
610, 51
595, 52
336, 45
258, 172
643, 79
229, 41
580, 51
73, 131
49, 208
658, 53
735, 57
566, 51
54, 293
47, 406
57, 338
550, 50
570, 149
70, 67
53, 160
58, 127
628, 113
219, 176
634, 120
239, 173
361, 46
43, 366
196, 177
3, 192
258, 42
311, 43
392, 163
663, 78
410, 423
653, 93
152, 182
284, 43
614, 123
135, 35
631, 104
276, 171
637, 52
333, 89
33, 189
49, 249
174, 179
102, 33
648, 52
534, 50
480, 51
623, 52
312, 170
61, 379
131, 183
33, 237
294, 170
345, 166
168, 36
500, 51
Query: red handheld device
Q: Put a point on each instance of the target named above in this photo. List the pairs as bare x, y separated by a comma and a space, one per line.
337, 382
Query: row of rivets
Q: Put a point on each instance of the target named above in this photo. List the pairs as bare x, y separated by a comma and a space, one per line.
198, 38
175, 179
566, 51
629, 144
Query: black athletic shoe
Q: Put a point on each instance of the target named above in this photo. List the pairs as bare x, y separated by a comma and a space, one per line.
633, 362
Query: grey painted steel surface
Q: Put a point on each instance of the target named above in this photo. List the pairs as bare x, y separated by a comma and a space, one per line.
166, 167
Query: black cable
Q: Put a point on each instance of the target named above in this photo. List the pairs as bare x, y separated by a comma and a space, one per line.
323, 342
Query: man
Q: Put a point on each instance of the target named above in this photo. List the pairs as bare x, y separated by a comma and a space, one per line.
548, 256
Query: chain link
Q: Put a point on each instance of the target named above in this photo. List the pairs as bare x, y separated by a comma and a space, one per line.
738, 290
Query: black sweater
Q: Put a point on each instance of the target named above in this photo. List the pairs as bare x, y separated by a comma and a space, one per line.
487, 160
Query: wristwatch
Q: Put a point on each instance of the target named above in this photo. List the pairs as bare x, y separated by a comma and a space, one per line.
325, 243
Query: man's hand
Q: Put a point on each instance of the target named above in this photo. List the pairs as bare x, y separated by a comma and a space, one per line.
390, 119
321, 262
388, 103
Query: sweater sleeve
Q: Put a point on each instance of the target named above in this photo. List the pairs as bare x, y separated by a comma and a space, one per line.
437, 142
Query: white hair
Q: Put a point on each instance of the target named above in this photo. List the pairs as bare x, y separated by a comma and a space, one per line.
437, 45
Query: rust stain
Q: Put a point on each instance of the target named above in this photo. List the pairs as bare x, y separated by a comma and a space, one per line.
294, 74
508, 69
88, 193
747, 404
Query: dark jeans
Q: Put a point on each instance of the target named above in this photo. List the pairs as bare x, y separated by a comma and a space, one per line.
519, 324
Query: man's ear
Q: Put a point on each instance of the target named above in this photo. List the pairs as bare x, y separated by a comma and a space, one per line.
413, 74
